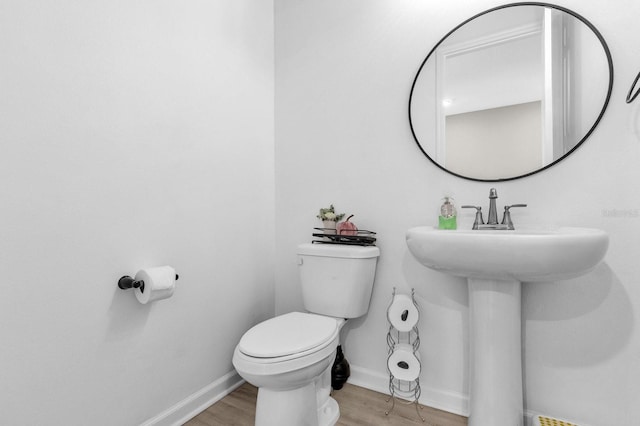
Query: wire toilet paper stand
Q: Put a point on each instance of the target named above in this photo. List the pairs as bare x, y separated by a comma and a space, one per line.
403, 360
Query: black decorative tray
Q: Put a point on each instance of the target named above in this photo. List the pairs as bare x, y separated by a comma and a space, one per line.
330, 236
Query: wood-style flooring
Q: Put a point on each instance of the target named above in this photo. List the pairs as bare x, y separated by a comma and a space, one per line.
358, 407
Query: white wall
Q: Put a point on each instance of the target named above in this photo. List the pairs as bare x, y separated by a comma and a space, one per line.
141, 133
343, 75
132, 134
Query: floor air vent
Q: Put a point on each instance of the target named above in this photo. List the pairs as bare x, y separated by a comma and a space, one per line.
548, 421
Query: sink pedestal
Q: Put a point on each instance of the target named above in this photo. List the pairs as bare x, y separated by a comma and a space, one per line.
495, 359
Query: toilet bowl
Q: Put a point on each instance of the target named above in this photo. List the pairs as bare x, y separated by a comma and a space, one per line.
289, 357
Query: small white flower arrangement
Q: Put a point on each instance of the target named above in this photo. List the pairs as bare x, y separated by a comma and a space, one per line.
330, 214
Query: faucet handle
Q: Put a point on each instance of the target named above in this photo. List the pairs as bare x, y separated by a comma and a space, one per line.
479, 220
506, 219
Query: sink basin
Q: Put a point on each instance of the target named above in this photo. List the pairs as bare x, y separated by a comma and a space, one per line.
522, 255
495, 264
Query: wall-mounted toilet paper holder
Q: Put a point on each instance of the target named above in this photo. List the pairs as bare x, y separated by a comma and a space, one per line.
126, 282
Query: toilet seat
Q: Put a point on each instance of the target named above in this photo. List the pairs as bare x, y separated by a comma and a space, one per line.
289, 336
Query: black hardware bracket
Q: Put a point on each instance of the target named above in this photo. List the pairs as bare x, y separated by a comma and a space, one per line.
127, 282
631, 96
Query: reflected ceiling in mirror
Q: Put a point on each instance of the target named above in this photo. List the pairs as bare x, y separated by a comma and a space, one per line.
510, 91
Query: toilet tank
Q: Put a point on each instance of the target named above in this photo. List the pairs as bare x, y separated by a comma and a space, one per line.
337, 280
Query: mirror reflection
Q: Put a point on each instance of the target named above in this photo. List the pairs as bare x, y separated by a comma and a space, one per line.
510, 92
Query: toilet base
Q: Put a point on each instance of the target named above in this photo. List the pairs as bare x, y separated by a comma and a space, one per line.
287, 407
309, 405
297, 407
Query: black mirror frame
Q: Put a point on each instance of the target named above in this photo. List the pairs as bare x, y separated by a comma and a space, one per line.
586, 136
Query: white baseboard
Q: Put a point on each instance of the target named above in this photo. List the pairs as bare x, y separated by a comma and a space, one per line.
452, 402
197, 402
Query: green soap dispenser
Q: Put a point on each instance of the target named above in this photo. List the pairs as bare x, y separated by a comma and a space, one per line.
447, 219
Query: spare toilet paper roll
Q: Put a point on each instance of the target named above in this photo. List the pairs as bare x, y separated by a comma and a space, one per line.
403, 314
403, 363
159, 283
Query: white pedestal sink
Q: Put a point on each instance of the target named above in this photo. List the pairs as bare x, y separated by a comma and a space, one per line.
495, 264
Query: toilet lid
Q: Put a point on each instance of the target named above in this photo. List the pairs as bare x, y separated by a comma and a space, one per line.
287, 334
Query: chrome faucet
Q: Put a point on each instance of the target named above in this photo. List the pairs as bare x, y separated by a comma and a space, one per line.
492, 220
493, 214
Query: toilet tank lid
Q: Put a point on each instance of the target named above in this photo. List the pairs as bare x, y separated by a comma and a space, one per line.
338, 250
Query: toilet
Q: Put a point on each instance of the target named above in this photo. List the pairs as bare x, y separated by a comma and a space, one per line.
289, 357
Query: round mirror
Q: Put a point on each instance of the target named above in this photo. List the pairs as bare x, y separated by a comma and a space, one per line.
510, 91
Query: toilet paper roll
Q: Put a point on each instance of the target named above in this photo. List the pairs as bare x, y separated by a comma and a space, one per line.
159, 283
403, 314
403, 364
